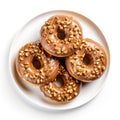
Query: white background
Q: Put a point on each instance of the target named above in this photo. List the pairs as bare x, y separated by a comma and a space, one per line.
105, 13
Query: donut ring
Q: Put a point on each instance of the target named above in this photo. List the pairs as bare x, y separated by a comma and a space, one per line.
88, 63
34, 66
61, 36
64, 93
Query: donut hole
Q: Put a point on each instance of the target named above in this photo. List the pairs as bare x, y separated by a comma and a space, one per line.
87, 59
61, 34
59, 81
36, 63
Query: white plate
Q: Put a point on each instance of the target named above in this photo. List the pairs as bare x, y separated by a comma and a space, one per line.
31, 32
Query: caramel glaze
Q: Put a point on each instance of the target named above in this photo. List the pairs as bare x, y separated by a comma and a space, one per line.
87, 63
61, 36
65, 93
34, 66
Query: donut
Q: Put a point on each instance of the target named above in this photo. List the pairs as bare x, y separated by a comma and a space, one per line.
61, 36
88, 62
63, 93
34, 66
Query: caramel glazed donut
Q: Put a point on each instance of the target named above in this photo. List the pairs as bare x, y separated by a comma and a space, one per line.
88, 63
34, 66
61, 36
64, 93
